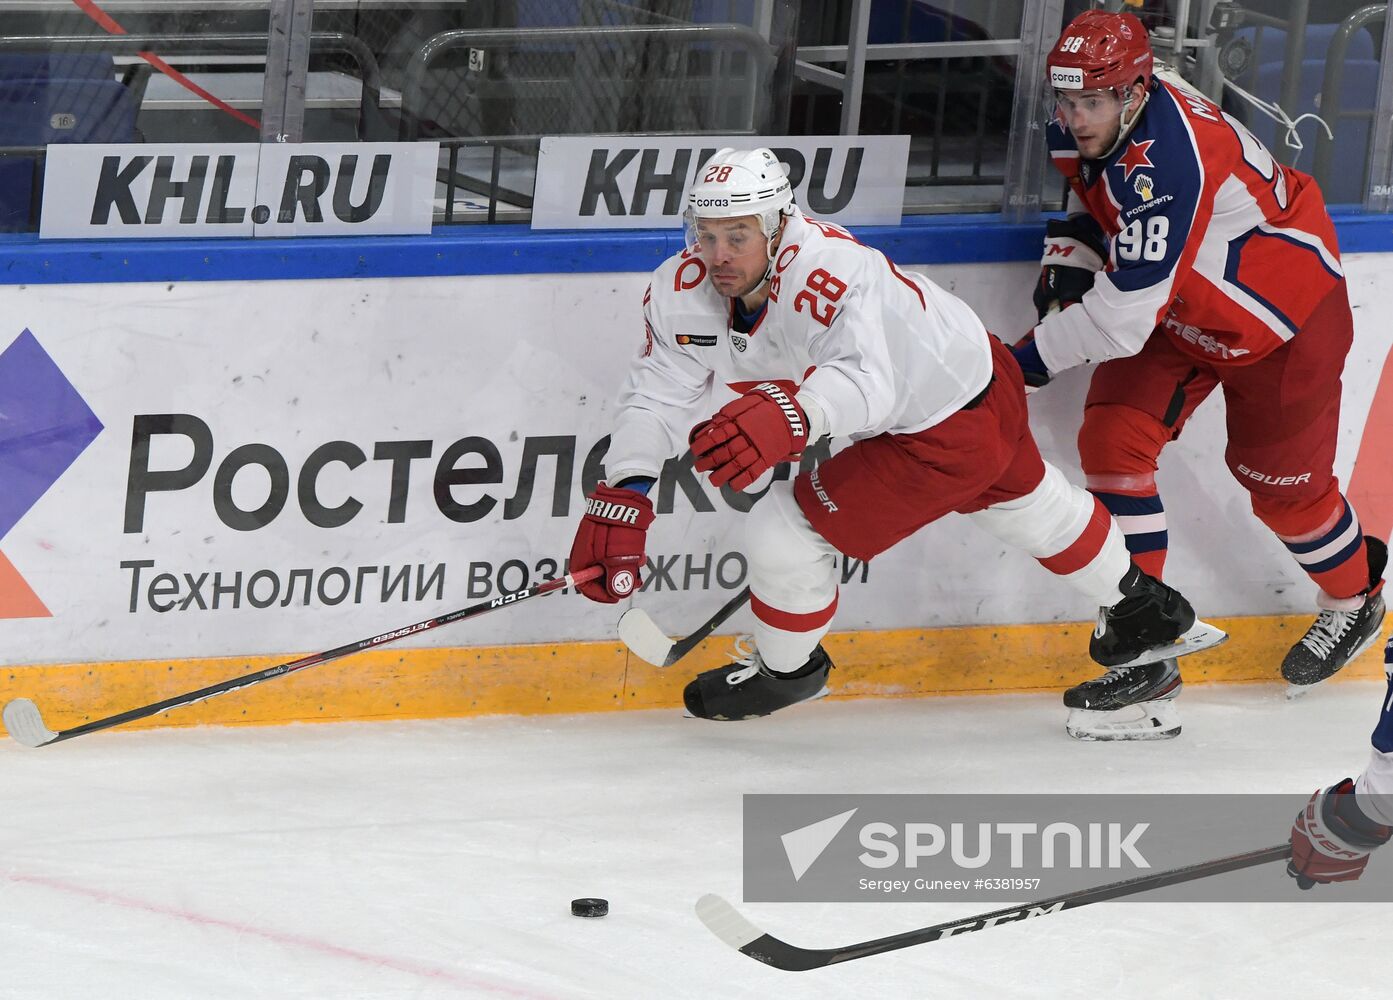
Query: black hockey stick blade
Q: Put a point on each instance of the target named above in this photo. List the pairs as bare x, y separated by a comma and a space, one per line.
26, 726
728, 924
650, 643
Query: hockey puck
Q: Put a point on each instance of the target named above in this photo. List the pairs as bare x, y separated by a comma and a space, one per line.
589, 907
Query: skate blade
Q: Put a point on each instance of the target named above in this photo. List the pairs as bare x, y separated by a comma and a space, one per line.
1145, 721
1201, 636
821, 694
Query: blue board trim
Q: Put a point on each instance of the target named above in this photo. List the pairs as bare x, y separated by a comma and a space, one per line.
511, 249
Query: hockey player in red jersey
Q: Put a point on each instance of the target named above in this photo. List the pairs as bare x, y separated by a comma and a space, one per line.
1190, 260
816, 334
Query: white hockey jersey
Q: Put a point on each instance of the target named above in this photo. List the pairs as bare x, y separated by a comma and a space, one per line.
875, 349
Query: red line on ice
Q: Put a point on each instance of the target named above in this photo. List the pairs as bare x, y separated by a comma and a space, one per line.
279, 937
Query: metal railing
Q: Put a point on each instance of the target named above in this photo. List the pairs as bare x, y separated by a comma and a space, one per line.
665, 76
233, 43
454, 177
1332, 89
952, 94
370, 120
593, 80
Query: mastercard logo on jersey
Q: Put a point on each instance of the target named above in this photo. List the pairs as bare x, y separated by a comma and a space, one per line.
696, 339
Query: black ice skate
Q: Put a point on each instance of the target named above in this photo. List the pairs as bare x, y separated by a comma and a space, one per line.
1336, 637
747, 689
1152, 622
1128, 703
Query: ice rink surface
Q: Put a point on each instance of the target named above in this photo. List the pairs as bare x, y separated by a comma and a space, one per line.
437, 859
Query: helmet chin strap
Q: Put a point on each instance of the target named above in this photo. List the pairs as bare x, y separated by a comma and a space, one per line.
1124, 127
771, 248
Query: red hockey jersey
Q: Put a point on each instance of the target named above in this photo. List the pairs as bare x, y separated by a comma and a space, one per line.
1211, 241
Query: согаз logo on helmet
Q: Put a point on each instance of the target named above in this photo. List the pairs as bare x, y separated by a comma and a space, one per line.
1069, 77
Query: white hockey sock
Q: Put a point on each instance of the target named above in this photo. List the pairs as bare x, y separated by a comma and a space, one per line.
1069, 531
793, 580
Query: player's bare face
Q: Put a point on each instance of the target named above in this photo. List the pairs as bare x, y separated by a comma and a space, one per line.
1093, 117
735, 254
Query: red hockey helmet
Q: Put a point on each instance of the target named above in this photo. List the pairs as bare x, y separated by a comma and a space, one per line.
1100, 51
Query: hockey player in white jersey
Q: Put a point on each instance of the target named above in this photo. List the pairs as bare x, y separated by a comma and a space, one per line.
1334, 835
817, 334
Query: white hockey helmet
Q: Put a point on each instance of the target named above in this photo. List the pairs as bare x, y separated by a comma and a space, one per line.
738, 182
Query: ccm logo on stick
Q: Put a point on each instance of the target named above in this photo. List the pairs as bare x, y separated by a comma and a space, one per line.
402, 632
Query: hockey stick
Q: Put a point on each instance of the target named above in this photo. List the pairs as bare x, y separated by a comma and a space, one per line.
730, 926
26, 725
650, 643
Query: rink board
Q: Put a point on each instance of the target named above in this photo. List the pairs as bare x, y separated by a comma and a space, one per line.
246, 470
599, 676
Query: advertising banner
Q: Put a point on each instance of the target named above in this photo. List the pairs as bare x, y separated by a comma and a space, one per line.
637, 182
230, 468
238, 189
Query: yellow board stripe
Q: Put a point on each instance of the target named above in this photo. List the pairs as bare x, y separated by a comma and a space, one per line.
604, 676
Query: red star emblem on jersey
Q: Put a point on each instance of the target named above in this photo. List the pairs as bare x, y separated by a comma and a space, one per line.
1135, 158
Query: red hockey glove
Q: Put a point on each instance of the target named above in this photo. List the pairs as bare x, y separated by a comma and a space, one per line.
611, 535
749, 436
1332, 838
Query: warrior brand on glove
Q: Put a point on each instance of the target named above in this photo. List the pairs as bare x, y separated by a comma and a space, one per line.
612, 535
749, 436
1332, 838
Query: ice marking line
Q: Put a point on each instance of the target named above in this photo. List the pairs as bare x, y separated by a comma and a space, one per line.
479, 986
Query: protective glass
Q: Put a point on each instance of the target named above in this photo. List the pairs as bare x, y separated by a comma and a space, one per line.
722, 239
1086, 107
